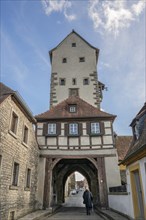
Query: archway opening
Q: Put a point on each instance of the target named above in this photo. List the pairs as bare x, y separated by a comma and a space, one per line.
66, 167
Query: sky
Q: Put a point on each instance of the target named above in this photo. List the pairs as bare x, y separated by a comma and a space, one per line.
30, 29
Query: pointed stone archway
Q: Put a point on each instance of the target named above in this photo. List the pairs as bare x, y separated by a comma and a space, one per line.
59, 169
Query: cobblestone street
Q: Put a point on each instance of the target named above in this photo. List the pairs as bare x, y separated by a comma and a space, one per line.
74, 209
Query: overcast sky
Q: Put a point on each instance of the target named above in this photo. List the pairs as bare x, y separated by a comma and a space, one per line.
29, 29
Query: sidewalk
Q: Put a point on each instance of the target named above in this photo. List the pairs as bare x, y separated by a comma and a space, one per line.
36, 215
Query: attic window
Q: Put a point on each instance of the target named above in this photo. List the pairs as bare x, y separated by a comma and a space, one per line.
64, 60
73, 44
81, 59
72, 108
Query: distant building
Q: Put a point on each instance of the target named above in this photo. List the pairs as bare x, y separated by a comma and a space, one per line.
18, 156
122, 144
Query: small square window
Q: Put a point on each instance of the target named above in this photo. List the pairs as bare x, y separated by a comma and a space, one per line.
74, 81
25, 135
14, 122
64, 60
28, 178
15, 174
72, 108
73, 92
62, 82
73, 44
81, 59
95, 128
86, 81
73, 129
51, 128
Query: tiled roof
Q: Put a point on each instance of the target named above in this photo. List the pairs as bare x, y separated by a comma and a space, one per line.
122, 144
137, 145
74, 32
84, 110
5, 91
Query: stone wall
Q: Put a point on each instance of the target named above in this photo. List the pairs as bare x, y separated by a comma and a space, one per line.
17, 199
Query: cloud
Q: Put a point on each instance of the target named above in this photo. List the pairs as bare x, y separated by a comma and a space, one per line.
50, 6
113, 16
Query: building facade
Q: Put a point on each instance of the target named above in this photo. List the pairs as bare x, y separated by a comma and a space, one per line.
75, 135
19, 155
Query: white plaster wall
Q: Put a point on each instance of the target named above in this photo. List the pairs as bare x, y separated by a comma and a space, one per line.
112, 170
108, 131
74, 68
51, 141
107, 140
41, 140
74, 141
107, 124
96, 140
62, 140
41, 179
85, 141
121, 203
39, 132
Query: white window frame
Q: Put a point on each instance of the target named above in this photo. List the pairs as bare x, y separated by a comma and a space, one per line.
72, 108
73, 129
52, 128
95, 128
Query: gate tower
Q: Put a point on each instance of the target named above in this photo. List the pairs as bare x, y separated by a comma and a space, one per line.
74, 134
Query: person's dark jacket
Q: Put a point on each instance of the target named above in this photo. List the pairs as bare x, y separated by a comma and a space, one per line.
87, 198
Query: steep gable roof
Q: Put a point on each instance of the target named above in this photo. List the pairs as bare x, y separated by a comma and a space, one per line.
5, 91
84, 110
138, 145
74, 32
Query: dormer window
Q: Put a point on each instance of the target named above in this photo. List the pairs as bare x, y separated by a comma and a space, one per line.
72, 108
138, 126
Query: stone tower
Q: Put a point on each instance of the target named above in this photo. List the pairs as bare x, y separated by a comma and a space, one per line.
74, 71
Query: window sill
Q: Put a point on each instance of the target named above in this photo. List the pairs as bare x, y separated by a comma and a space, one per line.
51, 135
25, 144
13, 134
27, 188
73, 135
96, 135
11, 187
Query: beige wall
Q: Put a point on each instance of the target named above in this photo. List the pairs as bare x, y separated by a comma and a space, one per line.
12, 149
74, 69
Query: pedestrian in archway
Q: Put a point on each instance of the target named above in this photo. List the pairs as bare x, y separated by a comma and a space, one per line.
87, 200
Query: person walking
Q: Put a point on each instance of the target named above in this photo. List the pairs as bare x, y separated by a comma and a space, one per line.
87, 200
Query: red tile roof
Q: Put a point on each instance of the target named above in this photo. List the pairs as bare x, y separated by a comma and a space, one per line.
122, 144
84, 110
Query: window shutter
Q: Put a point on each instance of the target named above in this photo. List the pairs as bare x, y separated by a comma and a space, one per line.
102, 128
58, 127
80, 129
45, 129
66, 129
88, 128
